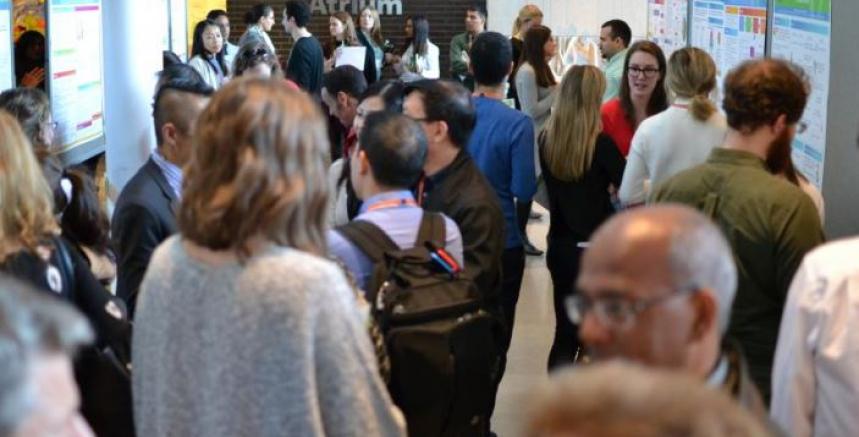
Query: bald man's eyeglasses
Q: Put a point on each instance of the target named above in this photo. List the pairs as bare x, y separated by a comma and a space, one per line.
614, 310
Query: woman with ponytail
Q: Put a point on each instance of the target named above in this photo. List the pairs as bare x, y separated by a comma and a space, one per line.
681, 136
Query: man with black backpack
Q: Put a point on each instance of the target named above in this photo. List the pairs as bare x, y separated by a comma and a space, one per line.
388, 159
439, 343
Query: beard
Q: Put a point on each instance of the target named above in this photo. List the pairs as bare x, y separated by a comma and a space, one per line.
778, 156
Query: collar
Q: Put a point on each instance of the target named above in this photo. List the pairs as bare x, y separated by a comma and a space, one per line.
719, 374
681, 102
402, 196
171, 172
721, 155
458, 162
619, 55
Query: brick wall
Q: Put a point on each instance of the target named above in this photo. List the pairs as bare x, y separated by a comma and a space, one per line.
446, 18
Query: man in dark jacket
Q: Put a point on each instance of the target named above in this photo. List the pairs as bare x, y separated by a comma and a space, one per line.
656, 287
145, 213
455, 186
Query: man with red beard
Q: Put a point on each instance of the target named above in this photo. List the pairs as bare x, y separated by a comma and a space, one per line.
769, 222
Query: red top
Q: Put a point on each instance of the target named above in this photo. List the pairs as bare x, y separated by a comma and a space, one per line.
614, 124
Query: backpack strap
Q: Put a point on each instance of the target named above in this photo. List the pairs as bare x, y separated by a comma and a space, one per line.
373, 241
432, 230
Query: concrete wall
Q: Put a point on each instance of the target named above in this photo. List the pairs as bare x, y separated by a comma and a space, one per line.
572, 17
841, 171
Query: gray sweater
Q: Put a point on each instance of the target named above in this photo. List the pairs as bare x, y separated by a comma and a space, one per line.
271, 348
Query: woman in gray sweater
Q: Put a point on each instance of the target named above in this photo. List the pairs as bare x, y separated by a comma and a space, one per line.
242, 329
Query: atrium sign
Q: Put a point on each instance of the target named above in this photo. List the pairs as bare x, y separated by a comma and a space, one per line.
328, 7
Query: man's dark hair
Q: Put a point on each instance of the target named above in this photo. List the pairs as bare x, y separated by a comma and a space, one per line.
298, 10
619, 29
396, 147
491, 58
176, 78
214, 14
347, 79
390, 91
474, 7
450, 102
757, 92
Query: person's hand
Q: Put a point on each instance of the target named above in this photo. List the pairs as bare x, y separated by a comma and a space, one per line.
33, 77
329, 64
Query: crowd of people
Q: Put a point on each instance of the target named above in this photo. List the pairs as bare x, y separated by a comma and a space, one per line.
245, 284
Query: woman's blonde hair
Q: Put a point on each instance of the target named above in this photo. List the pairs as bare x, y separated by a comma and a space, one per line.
376, 33
257, 169
26, 216
526, 14
692, 75
571, 132
350, 36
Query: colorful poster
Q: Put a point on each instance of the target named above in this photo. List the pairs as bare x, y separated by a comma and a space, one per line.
28, 15
76, 86
7, 75
708, 27
667, 24
801, 33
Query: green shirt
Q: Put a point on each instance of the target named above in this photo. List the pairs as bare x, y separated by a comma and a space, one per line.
770, 223
613, 73
459, 48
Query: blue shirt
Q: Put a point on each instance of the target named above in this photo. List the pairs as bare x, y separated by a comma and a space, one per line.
171, 172
401, 223
502, 146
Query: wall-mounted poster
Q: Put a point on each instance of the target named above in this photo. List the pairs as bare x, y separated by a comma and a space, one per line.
28, 15
7, 74
75, 65
731, 31
801, 33
667, 24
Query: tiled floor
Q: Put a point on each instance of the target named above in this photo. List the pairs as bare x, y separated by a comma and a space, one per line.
532, 338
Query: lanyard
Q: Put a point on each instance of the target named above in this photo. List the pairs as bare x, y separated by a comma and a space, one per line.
677, 105
393, 203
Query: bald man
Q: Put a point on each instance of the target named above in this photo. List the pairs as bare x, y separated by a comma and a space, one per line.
656, 287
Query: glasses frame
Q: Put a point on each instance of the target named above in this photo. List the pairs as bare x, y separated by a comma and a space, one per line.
648, 73
574, 304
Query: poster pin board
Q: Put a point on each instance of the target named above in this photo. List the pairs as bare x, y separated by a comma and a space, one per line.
75, 82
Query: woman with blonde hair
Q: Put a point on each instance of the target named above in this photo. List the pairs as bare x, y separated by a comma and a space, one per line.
680, 137
370, 35
31, 249
529, 16
344, 34
242, 327
580, 163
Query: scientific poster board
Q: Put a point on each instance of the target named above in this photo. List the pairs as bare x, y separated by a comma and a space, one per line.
802, 32
76, 83
732, 31
7, 69
668, 24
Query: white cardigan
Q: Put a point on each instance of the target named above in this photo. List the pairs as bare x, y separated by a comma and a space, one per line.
666, 144
416, 67
210, 76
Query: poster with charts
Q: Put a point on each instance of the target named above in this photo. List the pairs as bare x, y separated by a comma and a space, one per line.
667, 24
7, 75
75, 59
801, 33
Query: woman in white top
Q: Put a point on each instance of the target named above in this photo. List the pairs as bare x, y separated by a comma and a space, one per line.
259, 19
207, 54
420, 61
535, 82
680, 137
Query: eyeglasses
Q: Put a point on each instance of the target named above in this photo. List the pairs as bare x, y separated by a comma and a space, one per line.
648, 72
616, 311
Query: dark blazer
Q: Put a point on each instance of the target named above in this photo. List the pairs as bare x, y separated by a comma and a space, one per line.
145, 215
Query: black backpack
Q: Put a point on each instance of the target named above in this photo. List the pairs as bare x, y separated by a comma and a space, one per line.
441, 345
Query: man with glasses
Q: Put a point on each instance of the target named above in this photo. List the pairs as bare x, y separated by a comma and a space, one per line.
770, 223
656, 287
